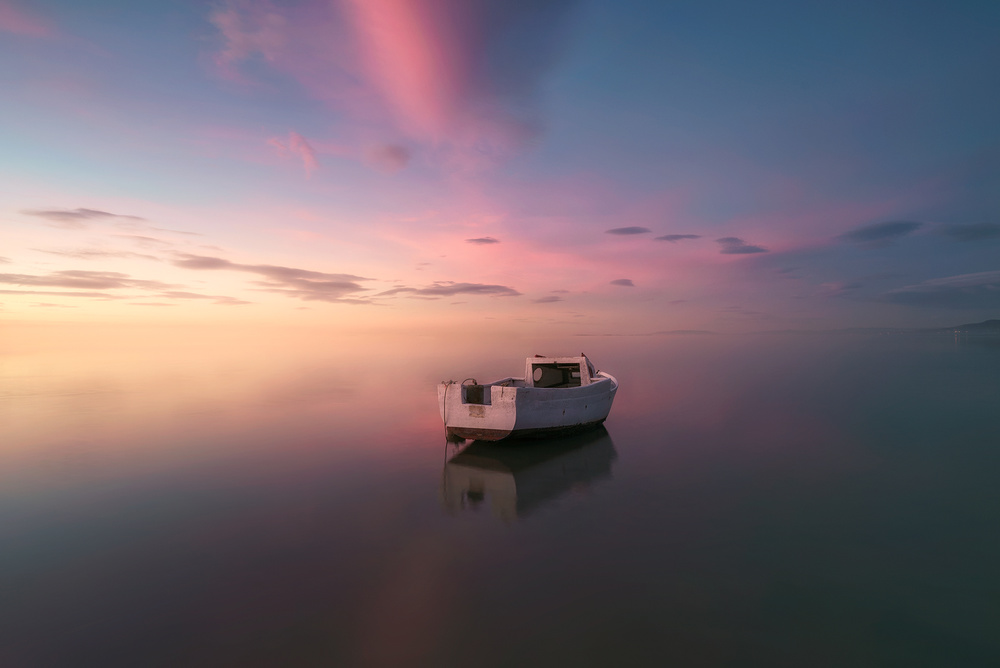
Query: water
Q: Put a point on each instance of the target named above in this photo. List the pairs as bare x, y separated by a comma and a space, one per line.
759, 500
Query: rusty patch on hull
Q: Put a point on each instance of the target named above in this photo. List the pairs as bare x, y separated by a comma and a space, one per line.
499, 434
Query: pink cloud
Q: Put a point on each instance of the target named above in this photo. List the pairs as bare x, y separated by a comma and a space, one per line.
248, 29
18, 21
443, 72
410, 49
389, 158
299, 147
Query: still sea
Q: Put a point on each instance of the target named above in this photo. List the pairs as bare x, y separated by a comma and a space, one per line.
772, 500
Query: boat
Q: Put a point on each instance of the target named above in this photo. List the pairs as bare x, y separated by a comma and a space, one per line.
557, 396
517, 479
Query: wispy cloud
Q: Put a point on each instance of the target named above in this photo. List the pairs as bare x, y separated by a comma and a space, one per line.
4, 260
736, 246
56, 293
98, 254
19, 21
979, 290
301, 283
838, 288
389, 158
75, 218
624, 231
482, 241
130, 225
881, 234
674, 238
625, 282
101, 284
439, 71
297, 146
547, 299
973, 232
142, 241
449, 289
85, 280
215, 299
248, 29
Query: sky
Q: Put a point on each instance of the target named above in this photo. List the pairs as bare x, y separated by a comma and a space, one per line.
554, 166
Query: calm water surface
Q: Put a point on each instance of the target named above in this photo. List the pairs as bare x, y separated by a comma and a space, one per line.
763, 500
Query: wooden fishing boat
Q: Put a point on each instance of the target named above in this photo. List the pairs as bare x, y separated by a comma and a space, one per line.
556, 396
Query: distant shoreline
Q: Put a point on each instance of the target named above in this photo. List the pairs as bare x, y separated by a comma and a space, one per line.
985, 329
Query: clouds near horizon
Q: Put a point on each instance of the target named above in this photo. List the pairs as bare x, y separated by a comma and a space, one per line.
301, 283
448, 289
103, 285
75, 218
395, 152
965, 291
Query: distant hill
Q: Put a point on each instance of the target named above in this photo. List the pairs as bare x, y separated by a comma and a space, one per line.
984, 327
987, 328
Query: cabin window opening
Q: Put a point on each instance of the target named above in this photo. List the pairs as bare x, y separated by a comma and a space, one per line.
556, 375
476, 394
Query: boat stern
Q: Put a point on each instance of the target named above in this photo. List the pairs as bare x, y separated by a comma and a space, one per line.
484, 412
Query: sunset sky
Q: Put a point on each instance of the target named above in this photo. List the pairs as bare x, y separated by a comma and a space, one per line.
567, 167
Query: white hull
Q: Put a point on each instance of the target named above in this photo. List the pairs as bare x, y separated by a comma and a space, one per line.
511, 407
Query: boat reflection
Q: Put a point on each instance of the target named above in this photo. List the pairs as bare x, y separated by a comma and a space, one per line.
521, 476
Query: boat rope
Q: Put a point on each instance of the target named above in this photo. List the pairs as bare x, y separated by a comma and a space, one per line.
444, 411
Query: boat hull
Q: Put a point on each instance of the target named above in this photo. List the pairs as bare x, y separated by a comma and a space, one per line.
508, 411
481, 434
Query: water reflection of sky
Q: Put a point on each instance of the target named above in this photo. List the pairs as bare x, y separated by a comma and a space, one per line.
780, 500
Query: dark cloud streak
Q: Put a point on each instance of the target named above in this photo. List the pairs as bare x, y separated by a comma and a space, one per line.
626, 231
674, 238
448, 289
973, 232
878, 235
389, 158
736, 246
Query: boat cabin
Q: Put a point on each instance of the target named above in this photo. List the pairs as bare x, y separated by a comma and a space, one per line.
539, 372
544, 372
